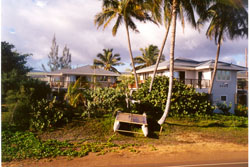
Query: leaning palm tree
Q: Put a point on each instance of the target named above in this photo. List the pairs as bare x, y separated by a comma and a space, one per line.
179, 7
122, 11
226, 20
107, 60
148, 57
167, 21
167, 15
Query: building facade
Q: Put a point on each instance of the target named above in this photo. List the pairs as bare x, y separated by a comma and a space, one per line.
198, 74
64, 77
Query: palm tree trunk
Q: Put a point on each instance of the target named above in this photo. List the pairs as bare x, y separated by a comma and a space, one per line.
131, 55
215, 65
171, 65
159, 56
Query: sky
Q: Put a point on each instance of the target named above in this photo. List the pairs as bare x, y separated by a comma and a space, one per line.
31, 24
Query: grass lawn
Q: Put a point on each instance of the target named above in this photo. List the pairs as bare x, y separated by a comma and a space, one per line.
95, 135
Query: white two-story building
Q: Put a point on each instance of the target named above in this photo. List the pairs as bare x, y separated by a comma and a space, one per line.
198, 74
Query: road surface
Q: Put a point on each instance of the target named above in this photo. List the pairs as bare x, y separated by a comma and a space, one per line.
152, 159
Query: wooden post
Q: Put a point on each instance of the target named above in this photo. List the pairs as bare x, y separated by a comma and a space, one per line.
161, 129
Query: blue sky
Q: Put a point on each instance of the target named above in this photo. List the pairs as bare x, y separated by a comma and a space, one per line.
31, 24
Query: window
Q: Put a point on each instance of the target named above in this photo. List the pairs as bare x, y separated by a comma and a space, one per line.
223, 98
223, 75
102, 78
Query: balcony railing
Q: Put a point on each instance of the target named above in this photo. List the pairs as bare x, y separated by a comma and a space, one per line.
196, 83
65, 84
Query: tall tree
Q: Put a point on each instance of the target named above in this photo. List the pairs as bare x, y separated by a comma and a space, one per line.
156, 12
65, 60
180, 7
148, 57
14, 68
53, 56
122, 11
107, 60
227, 19
167, 15
56, 62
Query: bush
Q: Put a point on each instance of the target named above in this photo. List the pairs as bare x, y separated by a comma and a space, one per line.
185, 100
49, 114
103, 101
241, 110
20, 103
224, 107
22, 114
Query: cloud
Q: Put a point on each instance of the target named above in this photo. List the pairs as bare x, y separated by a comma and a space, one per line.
33, 24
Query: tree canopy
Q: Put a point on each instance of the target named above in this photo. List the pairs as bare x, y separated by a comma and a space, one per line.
108, 60
14, 68
12, 60
148, 57
56, 62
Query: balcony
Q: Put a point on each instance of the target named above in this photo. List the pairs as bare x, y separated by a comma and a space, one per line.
65, 84
196, 83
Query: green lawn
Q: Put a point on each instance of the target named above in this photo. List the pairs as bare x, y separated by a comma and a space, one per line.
80, 137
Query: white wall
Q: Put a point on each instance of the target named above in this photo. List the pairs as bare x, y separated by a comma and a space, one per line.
226, 88
206, 75
190, 75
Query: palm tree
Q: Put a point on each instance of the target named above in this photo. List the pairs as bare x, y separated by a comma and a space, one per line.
107, 60
167, 10
180, 7
167, 21
122, 11
226, 20
148, 57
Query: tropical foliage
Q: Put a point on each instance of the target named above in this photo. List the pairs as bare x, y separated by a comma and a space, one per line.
185, 100
148, 57
108, 61
14, 68
241, 110
226, 20
103, 101
49, 114
23, 145
179, 7
123, 11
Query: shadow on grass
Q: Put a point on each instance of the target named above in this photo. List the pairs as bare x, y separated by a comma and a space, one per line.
215, 124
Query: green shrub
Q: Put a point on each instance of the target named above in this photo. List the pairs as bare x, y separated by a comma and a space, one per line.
49, 114
241, 110
103, 101
20, 103
224, 107
185, 100
22, 114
